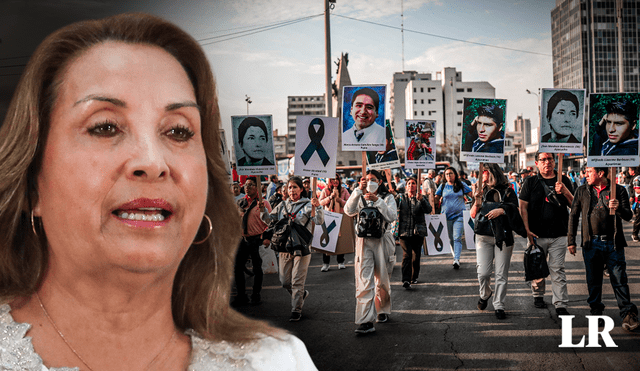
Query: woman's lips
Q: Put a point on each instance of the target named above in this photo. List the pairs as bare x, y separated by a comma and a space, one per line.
144, 212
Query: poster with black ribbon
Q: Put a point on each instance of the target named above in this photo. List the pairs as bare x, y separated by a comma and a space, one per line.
437, 235
469, 235
316, 146
325, 235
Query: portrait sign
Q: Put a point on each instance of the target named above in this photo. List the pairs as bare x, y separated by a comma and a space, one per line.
224, 149
437, 234
387, 159
483, 128
613, 130
325, 235
562, 120
420, 144
283, 167
316, 146
469, 234
363, 118
253, 143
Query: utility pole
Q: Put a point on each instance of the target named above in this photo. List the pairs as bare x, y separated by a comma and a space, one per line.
620, 53
402, 29
328, 5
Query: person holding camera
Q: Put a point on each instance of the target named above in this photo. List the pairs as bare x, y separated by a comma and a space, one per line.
376, 210
293, 266
412, 207
544, 204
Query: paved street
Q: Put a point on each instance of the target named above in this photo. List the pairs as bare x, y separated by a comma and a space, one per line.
436, 326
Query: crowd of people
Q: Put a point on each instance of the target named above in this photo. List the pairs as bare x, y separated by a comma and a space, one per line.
532, 204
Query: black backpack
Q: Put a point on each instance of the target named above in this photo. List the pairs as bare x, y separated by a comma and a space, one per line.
370, 222
289, 236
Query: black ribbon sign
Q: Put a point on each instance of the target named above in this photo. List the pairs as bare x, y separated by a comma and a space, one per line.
324, 239
437, 241
316, 143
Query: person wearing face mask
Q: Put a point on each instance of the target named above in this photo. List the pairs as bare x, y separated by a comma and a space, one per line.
374, 257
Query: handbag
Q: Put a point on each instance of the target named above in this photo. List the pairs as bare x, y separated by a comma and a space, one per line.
535, 263
420, 230
482, 224
287, 235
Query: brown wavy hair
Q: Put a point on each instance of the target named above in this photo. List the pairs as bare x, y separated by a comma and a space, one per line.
201, 287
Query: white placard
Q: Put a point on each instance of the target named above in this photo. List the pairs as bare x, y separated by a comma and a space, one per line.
363, 118
437, 234
562, 116
253, 143
316, 146
325, 236
387, 159
420, 144
469, 235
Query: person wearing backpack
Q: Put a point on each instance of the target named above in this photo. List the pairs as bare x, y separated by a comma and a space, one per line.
375, 209
544, 204
412, 207
293, 266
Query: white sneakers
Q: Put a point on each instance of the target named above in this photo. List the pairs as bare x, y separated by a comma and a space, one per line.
341, 266
325, 268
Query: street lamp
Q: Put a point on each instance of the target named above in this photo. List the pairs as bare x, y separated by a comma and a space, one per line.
248, 100
539, 117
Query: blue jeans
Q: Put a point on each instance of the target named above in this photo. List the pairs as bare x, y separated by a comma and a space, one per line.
455, 228
599, 254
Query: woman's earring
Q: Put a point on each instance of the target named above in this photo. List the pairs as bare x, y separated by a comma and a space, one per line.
33, 225
208, 234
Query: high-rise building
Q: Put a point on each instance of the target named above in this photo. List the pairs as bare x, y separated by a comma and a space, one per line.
586, 36
301, 105
397, 105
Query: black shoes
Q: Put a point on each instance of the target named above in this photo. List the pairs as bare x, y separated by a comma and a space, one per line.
539, 303
382, 318
295, 317
482, 303
406, 285
365, 328
500, 314
240, 300
255, 299
562, 312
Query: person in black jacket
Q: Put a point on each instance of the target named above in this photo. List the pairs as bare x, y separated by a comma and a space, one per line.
412, 207
603, 242
498, 245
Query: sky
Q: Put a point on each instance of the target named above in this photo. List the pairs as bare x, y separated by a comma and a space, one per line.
270, 65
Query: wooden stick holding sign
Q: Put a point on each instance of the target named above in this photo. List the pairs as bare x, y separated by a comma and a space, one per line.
387, 172
479, 182
364, 164
312, 189
612, 193
560, 156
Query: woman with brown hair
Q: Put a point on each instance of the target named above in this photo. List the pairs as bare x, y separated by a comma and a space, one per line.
112, 254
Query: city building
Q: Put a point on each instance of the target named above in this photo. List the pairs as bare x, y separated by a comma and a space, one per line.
280, 145
301, 105
586, 38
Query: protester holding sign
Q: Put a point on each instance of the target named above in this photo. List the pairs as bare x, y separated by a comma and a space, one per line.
333, 198
495, 209
294, 266
412, 207
373, 254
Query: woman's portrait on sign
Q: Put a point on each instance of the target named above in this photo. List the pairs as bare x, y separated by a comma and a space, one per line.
253, 140
562, 113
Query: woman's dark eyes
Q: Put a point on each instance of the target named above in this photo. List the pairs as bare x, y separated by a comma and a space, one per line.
180, 133
104, 129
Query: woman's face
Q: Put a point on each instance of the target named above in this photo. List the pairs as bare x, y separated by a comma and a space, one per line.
563, 118
254, 143
411, 186
487, 129
449, 176
124, 176
294, 191
618, 127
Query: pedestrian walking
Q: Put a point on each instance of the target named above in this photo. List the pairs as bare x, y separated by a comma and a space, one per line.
450, 196
332, 198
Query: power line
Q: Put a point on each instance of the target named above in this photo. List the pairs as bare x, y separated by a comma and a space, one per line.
443, 37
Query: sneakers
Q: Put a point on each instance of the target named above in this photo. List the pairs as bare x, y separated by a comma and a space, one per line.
456, 264
630, 322
539, 303
366, 328
295, 317
382, 318
325, 268
406, 285
635, 238
500, 314
255, 299
342, 266
414, 282
482, 303
562, 312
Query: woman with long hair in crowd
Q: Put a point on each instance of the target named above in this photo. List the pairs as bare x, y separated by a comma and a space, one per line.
295, 265
495, 242
332, 198
450, 195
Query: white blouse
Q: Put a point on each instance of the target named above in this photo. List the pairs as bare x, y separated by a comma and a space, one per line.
267, 353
